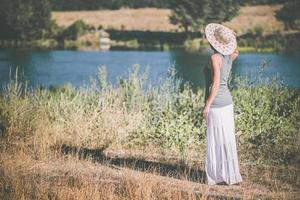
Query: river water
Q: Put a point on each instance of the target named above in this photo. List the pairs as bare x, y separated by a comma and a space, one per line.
77, 67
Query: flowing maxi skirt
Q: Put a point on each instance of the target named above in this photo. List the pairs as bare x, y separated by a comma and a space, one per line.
221, 162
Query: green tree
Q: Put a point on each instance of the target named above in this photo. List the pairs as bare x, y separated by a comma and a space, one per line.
189, 14
74, 31
260, 2
194, 14
24, 19
105, 4
290, 14
220, 11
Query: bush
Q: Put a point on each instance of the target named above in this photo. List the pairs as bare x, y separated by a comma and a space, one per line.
267, 122
289, 14
74, 31
55, 30
165, 117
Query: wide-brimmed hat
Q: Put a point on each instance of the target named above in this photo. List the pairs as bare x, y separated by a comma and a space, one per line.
221, 38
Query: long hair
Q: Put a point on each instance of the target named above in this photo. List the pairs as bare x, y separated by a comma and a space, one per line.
215, 51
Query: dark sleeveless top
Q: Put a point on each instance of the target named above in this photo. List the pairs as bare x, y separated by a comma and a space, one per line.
223, 97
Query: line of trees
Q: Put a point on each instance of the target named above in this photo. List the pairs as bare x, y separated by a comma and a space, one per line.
290, 14
260, 2
31, 19
22, 19
192, 15
117, 4
106, 4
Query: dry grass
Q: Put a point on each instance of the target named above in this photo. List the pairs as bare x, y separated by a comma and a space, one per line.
43, 132
128, 19
153, 19
67, 177
254, 16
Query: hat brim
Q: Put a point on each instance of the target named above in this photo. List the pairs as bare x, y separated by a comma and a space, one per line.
225, 49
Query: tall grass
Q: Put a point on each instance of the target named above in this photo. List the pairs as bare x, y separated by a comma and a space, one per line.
167, 117
164, 119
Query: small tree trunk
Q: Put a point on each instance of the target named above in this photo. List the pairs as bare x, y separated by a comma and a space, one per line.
186, 29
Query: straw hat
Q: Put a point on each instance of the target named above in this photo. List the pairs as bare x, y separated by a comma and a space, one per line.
221, 38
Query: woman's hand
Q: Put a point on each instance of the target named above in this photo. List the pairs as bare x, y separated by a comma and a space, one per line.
235, 54
234, 33
205, 111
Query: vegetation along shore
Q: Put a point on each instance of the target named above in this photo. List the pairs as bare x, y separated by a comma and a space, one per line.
128, 142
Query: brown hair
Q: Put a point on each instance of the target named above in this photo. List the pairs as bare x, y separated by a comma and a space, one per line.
215, 51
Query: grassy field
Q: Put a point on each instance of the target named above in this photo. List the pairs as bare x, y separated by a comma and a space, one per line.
128, 19
252, 17
153, 19
123, 142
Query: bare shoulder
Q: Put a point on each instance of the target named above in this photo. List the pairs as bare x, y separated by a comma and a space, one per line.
216, 58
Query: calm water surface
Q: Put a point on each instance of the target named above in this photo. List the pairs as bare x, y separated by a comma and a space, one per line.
56, 67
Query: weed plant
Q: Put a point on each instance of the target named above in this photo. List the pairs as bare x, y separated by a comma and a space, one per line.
166, 117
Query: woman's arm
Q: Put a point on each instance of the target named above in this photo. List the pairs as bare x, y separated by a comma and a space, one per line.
216, 63
235, 54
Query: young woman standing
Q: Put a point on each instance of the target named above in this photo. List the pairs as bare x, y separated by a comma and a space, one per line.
221, 162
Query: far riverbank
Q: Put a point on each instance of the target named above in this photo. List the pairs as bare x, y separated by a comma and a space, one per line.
146, 40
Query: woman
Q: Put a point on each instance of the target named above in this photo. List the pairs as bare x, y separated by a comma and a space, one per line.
221, 162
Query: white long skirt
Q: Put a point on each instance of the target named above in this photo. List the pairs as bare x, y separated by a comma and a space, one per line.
221, 162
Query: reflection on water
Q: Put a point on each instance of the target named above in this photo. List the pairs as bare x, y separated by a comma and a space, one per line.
55, 67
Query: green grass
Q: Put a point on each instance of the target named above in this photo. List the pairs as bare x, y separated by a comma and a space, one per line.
253, 49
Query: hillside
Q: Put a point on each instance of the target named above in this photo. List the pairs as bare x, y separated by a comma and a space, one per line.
153, 19
253, 16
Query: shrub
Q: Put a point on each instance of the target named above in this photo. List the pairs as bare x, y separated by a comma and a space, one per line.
75, 30
166, 117
55, 30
